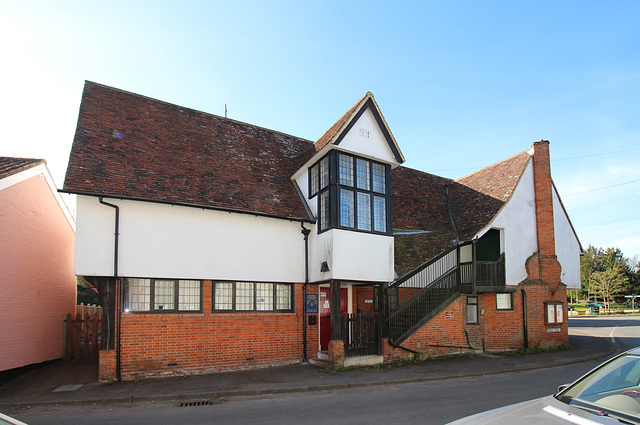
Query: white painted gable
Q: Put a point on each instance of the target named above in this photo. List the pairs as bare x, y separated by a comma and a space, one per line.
365, 138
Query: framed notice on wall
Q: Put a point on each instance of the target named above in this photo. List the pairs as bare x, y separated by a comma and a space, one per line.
554, 312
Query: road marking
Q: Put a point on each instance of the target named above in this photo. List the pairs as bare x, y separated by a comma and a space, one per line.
613, 340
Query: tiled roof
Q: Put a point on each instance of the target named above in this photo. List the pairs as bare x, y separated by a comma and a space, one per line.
421, 223
478, 197
133, 146
10, 165
421, 220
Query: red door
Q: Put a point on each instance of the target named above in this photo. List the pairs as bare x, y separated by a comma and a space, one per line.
325, 314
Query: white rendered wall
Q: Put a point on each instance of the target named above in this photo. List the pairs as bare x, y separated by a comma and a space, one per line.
158, 240
351, 255
567, 245
518, 223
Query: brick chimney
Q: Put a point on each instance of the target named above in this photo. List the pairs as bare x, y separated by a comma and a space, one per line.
547, 263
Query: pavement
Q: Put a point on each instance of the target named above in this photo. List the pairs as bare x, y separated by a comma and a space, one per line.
75, 382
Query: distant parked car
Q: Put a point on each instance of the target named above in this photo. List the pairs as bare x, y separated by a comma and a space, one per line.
570, 307
606, 395
595, 304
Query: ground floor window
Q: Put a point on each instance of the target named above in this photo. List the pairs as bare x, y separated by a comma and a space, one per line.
504, 301
162, 295
252, 296
472, 309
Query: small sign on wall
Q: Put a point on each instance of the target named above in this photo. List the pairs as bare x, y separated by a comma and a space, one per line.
448, 315
312, 303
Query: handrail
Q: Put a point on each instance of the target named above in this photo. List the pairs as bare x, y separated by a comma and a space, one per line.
425, 265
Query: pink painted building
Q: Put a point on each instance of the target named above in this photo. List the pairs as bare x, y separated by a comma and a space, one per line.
37, 283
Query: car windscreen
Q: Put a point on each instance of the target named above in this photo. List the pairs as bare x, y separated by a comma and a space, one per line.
612, 389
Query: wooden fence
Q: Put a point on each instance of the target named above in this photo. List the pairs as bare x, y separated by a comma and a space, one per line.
88, 310
82, 334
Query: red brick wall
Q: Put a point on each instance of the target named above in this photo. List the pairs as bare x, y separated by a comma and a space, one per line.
107, 365
168, 344
362, 299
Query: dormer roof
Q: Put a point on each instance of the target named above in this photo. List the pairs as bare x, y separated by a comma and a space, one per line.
340, 128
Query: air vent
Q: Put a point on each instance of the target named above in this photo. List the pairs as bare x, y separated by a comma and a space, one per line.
195, 403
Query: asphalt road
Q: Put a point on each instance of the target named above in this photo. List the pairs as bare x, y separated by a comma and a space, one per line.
421, 403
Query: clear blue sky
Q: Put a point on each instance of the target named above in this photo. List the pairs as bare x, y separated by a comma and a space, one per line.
462, 84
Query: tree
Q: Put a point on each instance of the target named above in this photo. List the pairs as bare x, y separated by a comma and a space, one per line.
609, 283
87, 295
596, 261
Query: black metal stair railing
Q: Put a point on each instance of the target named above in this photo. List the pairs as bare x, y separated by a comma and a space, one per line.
424, 292
423, 306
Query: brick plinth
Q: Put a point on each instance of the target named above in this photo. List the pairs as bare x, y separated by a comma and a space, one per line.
336, 353
107, 365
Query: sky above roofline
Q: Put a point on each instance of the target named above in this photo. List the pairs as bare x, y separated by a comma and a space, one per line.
461, 84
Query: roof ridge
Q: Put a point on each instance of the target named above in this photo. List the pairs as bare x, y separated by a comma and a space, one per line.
493, 165
153, 99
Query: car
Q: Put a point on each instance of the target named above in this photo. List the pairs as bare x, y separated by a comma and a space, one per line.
570, 307
608, 394
6, 420
595, 304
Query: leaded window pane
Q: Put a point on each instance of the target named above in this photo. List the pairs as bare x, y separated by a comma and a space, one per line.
379, 214
364, 211
189, 295
379, 180
503, 302
244, 296
264, 296
324, 172
164, 295
345, 170
362, 174
324, 210
283, 297
138, 295
346, 208
313, 179
223, 296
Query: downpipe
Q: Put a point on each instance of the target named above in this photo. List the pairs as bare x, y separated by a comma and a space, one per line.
305, 233
118, 283
524, 318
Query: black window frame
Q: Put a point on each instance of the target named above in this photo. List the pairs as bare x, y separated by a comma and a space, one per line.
332, 193
254, 308
477, 306
152, 304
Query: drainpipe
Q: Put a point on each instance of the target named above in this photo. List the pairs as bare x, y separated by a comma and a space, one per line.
305, 233
524, 318
118, 283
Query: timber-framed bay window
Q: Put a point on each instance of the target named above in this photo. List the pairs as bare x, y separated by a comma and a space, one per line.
353, 193
162, 296
252, 296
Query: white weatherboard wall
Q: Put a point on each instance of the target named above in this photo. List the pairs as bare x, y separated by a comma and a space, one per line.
518, 221
158, 240
567, 245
